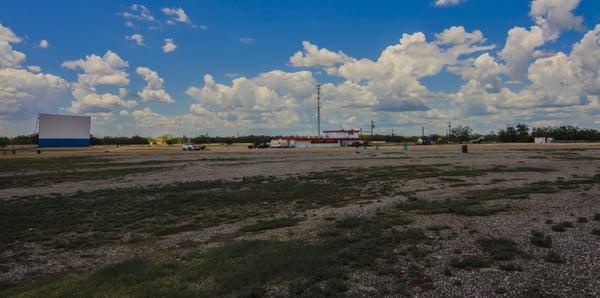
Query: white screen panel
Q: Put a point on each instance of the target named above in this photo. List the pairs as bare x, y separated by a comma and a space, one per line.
64, 127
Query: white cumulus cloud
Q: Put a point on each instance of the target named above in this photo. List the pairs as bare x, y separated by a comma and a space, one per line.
154, 90
553, 16
247, 40
169, 45
24, 91
177, 15
138, 38
313, 56
519, 48
108, 70
43, 44
442, 3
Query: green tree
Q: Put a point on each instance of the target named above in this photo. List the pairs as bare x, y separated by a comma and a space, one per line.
460, 134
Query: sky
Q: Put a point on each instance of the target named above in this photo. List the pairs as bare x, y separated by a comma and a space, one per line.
250, 67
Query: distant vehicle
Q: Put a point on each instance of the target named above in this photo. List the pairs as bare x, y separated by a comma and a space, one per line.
359, 144
262, 145
194, 147
477, 141
424, 141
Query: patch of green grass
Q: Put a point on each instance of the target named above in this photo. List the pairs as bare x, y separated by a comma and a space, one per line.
500, 248
51, 163
249, 268
562, 226
553, 257
272, 224
540, 239
513, 193
462, 184
158, 210
451, 179
436, 228
465, 207
43, 179
411, 172
239, 267
510, 267
575, 157
134, 277
470, 262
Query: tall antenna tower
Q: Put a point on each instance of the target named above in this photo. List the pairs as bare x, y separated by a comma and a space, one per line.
318, 87
372, 126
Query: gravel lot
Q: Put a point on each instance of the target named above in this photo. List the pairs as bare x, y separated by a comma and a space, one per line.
566, 170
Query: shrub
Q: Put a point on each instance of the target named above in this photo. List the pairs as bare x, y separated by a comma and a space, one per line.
540, 239
562, 226
553, 257
272, 224
499, 248
510, 267
582, 219
596, 232
469, 262
597, 216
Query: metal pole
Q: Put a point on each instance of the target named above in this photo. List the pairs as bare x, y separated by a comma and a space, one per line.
318, 109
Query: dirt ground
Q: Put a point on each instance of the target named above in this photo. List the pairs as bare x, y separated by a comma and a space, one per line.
501, 220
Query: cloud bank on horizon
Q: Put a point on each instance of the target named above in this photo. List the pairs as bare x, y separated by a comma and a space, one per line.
517, 80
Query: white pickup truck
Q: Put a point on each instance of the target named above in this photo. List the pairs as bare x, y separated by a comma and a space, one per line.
190, 146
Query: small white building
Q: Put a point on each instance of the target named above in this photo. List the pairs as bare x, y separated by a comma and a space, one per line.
543, 140
330, 138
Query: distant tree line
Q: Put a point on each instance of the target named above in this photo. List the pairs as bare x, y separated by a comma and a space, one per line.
255, 139
31, 139
522, 133
459, 134
135, 140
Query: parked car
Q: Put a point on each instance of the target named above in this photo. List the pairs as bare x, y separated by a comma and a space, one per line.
190, 146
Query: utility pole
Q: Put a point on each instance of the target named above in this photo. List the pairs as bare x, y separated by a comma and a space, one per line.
422, 131
392, 132
318, 109
372, 126
449, 128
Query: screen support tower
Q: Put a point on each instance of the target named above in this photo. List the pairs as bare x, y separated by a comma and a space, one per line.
318, 87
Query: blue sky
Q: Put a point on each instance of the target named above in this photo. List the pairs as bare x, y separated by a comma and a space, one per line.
244, 40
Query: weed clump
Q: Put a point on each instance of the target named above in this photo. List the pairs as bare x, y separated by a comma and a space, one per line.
597, 216
263, 225
596, 232
562, 226
510, 267
540, 239
470, 262
553, 257
582, 219
500, 248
